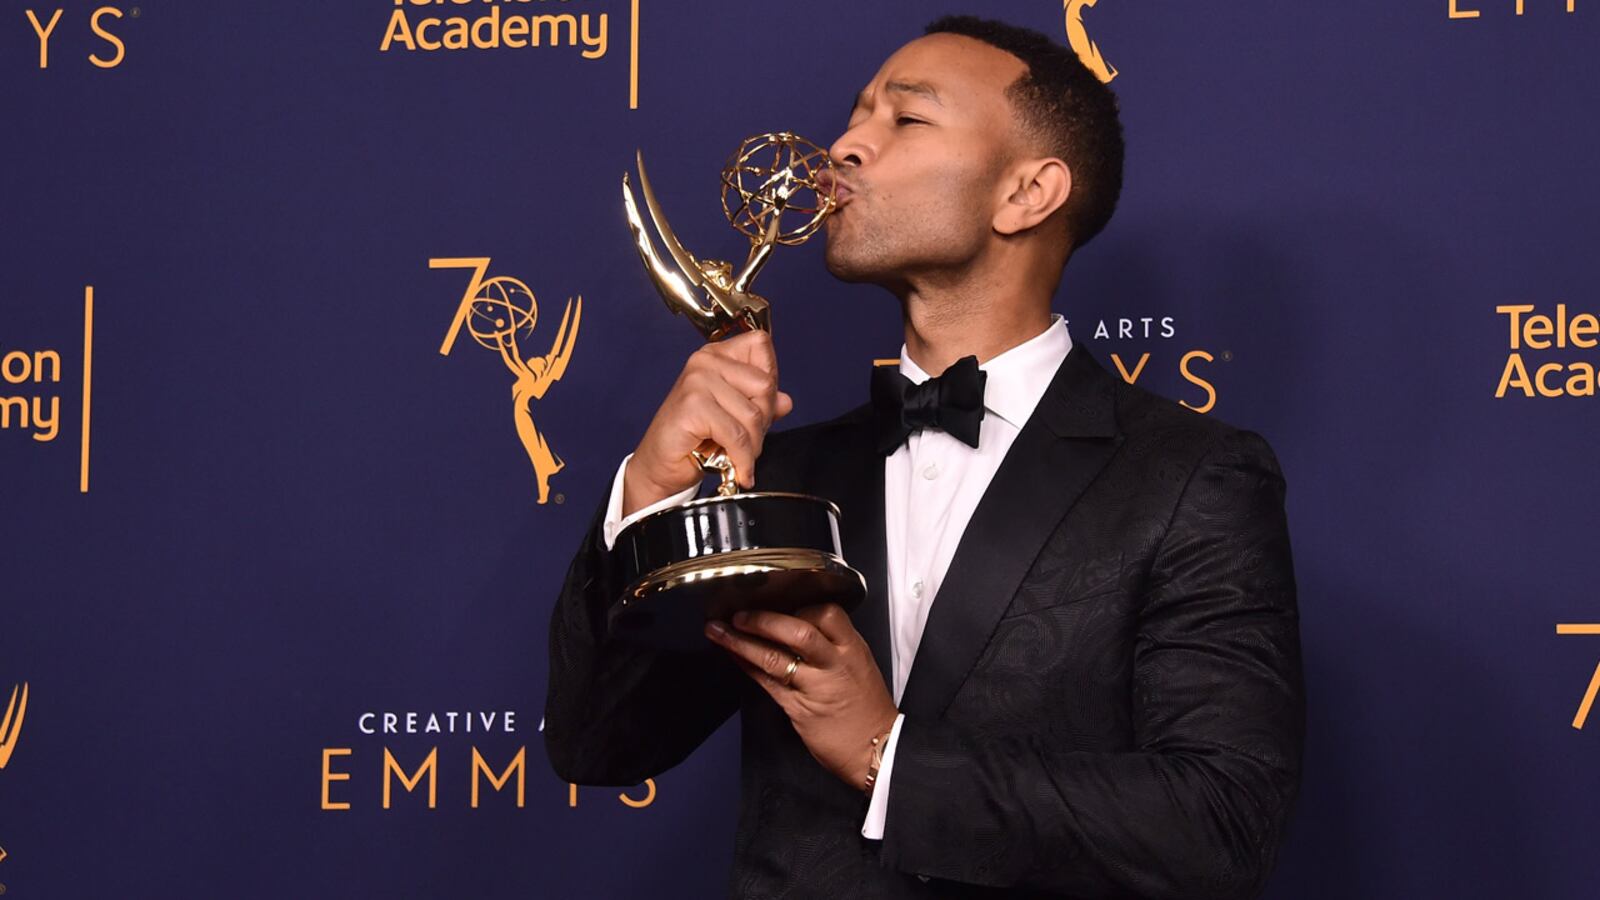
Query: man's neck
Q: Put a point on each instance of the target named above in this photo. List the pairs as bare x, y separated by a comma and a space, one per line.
943, 326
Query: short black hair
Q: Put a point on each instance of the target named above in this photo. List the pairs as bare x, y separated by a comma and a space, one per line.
1068, 108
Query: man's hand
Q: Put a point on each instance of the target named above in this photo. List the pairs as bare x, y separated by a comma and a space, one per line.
728, 392
836, 698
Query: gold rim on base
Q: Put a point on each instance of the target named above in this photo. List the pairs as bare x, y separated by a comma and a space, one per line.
738, 562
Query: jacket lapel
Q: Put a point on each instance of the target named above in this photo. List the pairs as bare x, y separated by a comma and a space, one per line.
1065, 443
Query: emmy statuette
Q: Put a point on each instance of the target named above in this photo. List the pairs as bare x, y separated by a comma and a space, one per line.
712, 557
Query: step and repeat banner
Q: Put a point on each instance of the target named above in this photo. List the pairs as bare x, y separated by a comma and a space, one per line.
283, 510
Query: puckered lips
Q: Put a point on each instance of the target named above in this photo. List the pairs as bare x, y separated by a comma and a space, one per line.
831, 182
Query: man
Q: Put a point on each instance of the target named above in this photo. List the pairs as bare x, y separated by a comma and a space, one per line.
1077, 669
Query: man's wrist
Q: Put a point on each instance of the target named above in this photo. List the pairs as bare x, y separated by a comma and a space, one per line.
640, 491
876, 821
875, 748
616, 521
874, 762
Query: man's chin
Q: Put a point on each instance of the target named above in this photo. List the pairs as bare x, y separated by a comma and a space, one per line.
846, 266
843, 271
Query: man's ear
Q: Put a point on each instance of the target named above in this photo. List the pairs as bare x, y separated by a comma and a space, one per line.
1037, 188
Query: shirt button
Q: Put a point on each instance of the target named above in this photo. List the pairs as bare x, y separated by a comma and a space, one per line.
916, 589
931, 472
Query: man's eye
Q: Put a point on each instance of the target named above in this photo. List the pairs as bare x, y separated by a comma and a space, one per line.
908, 120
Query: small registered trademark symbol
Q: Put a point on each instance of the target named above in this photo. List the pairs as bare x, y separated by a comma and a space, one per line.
1227, 356
560, 499
134, 12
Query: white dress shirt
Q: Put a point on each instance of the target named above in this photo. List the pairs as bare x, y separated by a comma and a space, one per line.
931, 485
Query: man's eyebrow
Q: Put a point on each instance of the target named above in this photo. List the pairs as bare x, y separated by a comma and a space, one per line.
920, 88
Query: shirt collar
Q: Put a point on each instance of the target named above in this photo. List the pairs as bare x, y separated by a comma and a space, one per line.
1018, 377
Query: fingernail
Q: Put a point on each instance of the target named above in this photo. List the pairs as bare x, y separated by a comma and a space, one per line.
715, 629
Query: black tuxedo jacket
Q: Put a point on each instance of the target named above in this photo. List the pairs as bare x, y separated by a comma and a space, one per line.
1107, 698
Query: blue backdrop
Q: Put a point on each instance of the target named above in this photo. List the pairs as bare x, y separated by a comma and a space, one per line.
245, 500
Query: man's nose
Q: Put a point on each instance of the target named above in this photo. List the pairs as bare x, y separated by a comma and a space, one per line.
851, 149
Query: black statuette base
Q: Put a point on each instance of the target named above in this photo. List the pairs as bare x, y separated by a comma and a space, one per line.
711, 558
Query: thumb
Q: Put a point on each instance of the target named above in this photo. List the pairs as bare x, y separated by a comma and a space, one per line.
784, 405
756, 348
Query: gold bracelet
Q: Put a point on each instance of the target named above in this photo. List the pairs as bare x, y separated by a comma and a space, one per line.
877, 759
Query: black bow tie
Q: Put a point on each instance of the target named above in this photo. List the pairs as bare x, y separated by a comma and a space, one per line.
952, 402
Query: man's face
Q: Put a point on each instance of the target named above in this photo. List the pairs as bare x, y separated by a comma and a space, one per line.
920, 165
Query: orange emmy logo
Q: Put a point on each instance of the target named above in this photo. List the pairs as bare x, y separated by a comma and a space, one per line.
11, 727
500, 313
1078, 37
